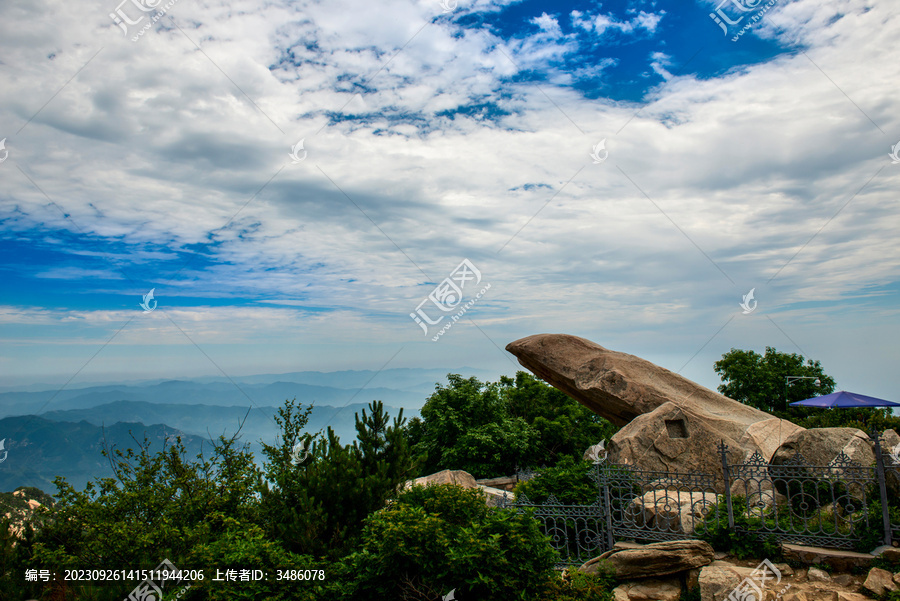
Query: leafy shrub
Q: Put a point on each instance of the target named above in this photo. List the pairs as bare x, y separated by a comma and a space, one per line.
432, 540
570, 481
240, 546
573, 585
715, 530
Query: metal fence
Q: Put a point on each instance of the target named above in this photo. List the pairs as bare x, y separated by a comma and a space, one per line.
837, 505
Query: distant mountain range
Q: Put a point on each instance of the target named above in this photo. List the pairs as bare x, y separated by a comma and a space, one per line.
41, 449
407, 388
49, 433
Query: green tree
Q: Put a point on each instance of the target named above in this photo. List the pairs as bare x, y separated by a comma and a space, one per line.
317, 508
489, 429
565, 427
158, 506
761, 381
435, 539
466, 425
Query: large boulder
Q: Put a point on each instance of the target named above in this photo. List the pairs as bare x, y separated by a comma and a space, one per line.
669, 423
615, 385
458, 477
821, 446
769, 434
654, 560
669, 510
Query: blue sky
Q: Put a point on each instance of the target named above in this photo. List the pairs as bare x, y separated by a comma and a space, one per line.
729, 162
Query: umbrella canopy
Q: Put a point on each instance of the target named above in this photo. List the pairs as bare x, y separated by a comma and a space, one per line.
842, 398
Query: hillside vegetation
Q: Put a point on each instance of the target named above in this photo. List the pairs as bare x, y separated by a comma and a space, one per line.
329, 525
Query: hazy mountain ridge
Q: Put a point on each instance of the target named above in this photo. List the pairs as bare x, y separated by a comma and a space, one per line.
40, 449
402, 387
211, 421
66, 436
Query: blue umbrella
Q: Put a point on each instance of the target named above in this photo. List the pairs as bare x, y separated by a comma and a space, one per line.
842, 398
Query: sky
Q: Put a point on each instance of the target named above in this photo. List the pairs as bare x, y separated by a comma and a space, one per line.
329, 185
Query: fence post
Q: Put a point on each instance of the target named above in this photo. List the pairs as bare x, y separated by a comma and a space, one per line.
882, 486
604, 483
723, 448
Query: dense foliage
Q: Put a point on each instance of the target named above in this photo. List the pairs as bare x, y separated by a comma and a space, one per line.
337, 513
318, 508
440, 538
761, 380
490, 429
569, 481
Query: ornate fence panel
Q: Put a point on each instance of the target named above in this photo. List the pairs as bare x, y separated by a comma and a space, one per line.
577, 532
797, 502
654, 506
794, 502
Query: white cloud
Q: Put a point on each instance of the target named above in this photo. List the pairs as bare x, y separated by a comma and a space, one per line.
152, 143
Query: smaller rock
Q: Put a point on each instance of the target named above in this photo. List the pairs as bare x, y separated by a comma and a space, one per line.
892, 554
785, 569
879, 582
817, 575
717, 582
843, 579
842, 596
494, 495
620, 593
652, 589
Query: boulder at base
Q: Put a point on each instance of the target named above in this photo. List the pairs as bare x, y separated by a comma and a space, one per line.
820, 446
654, 560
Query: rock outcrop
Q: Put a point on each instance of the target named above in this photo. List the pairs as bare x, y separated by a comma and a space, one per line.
669, 422
820, 446
460, 478
653, 560
618, 386
671, 510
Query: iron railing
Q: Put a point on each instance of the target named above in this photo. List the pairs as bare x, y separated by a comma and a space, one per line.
828, 506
